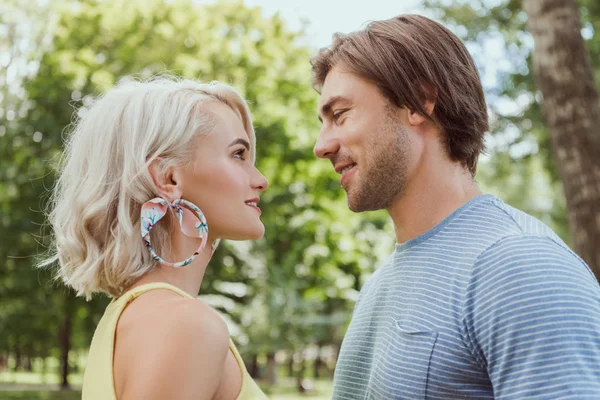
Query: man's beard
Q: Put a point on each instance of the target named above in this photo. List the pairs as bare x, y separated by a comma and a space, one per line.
383, 175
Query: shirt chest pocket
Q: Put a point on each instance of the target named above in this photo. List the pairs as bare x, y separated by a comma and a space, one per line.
402, 368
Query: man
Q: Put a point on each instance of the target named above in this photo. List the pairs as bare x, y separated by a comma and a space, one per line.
479, 300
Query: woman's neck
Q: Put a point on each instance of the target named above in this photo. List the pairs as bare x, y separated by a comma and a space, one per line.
188, 278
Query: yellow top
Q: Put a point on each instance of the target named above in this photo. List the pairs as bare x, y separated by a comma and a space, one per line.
98, 383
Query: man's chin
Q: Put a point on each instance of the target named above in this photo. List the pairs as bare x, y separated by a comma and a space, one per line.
360, 206
353, 202
363, 200
354, 209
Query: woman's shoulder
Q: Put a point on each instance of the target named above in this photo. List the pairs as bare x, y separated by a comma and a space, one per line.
165, 336
163, 312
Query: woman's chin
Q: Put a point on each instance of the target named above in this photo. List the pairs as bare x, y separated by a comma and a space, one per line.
258, 234
247, 234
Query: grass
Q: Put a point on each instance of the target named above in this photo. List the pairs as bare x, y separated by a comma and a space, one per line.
34, 378
39, 395
30, 386
286, 390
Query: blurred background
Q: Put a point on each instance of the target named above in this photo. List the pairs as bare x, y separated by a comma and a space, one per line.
289, 297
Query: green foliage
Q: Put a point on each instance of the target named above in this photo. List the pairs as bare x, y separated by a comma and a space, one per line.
294, 287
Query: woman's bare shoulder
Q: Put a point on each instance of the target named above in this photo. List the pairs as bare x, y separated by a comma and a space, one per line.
177, 344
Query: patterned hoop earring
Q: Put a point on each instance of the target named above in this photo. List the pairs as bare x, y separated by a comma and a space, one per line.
153, 210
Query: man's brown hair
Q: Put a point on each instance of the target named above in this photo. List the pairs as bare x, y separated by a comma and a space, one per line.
411, 59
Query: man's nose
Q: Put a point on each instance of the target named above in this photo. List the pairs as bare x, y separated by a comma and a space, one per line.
326, 145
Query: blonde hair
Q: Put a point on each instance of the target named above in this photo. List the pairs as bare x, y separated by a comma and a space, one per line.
104, 177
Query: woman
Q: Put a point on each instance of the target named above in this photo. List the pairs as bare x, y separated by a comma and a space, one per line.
155, 173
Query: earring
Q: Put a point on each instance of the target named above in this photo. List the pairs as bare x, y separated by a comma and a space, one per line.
153, 210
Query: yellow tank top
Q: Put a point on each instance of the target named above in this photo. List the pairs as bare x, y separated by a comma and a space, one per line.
98, 383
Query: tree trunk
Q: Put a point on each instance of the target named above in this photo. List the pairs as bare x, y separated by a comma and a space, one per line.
65, 342
318, 363
254, 370
44, 353
564, 75
28, 365
271, 369
44, 369
300, 376
18, 355
291, 365
28, 362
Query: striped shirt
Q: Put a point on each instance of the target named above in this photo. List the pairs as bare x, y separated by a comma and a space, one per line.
489, 304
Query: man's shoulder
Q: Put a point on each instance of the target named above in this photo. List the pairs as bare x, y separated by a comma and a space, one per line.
525, 242
491, 214
515, 233
522, 259
492, 222
527, 224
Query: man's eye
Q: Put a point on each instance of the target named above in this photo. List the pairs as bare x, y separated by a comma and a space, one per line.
336, 116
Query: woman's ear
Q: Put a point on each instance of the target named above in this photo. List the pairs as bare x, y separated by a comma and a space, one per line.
165, 178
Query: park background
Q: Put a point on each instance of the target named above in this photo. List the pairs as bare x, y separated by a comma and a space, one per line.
289, 297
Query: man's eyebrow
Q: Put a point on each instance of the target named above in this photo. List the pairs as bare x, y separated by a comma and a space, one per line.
240, 141
326, 108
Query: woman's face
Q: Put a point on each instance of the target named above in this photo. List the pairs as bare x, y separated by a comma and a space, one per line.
223, 181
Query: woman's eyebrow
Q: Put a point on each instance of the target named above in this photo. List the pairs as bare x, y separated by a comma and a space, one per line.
240, 141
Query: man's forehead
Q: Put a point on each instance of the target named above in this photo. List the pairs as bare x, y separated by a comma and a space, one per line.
329, 99
339, 85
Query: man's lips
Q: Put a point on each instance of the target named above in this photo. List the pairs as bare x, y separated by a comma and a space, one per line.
347, 173
340, 167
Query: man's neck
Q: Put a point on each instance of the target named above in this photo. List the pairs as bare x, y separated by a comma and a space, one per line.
431, 196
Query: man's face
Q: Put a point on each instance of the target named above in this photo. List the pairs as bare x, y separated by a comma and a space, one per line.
363, 137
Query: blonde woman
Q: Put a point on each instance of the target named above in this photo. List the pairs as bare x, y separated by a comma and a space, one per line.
155, 173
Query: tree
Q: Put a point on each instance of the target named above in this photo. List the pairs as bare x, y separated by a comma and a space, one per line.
564, 74
293, 288
28, 311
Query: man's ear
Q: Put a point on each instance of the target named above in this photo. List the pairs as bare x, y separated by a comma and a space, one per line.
165, 178
414, 118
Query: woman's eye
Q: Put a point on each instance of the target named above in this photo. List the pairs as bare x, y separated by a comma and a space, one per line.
240, 154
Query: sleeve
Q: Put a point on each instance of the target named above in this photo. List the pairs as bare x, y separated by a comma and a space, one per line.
532, 319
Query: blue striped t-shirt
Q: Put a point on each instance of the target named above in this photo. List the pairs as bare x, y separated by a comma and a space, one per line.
489, 304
